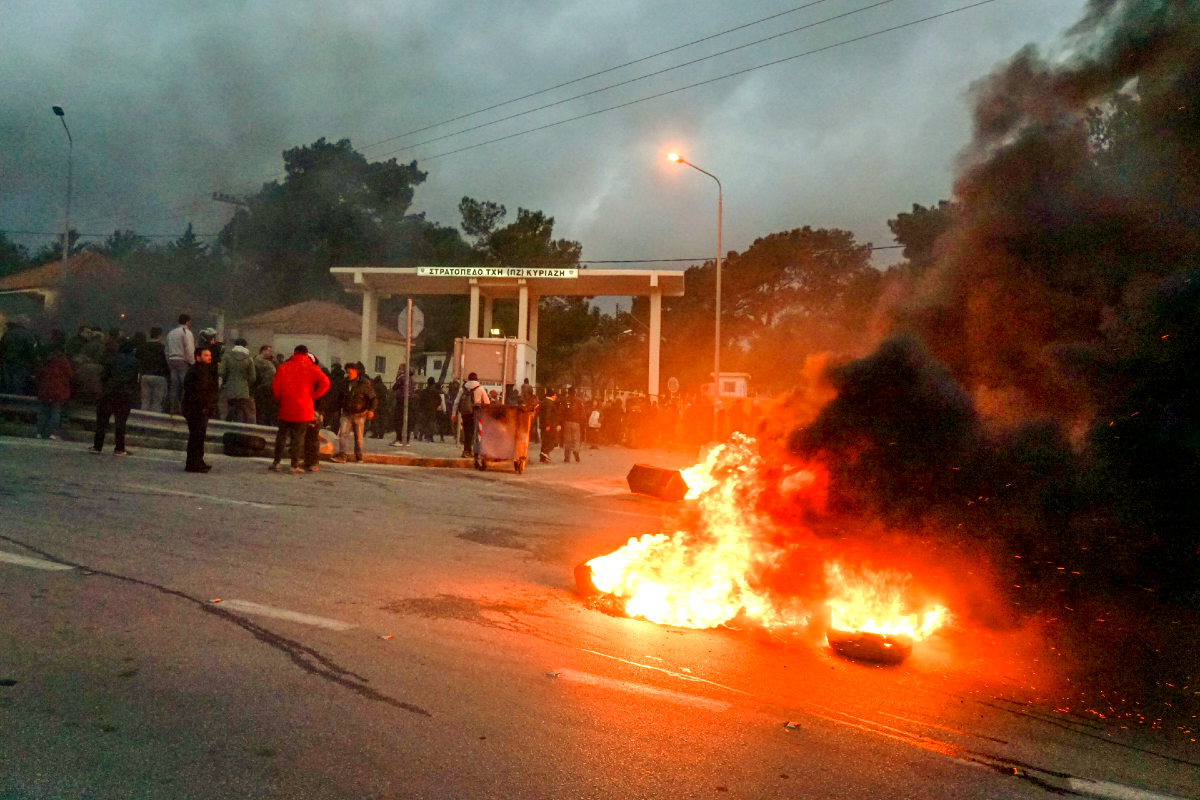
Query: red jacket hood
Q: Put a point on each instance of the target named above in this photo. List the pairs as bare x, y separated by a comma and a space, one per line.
298, 382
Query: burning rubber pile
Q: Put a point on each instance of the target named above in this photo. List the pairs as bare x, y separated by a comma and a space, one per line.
744, 553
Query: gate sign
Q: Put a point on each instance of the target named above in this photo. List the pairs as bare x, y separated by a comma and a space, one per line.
499, 272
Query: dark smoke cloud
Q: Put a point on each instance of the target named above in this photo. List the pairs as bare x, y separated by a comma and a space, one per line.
1042, 401
1047, 238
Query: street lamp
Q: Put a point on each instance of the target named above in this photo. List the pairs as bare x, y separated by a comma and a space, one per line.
58, 112
717, 346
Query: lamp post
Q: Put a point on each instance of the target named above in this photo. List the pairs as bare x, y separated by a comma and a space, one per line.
717, 344
58, 112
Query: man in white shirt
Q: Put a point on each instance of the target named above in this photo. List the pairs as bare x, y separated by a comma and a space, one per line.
181, 354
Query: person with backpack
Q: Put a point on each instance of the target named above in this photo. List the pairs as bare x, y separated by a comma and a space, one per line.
358, 401
470, 395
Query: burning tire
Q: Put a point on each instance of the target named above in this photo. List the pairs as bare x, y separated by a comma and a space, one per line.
878, 648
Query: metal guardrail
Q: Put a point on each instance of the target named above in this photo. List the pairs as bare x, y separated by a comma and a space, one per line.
145, 425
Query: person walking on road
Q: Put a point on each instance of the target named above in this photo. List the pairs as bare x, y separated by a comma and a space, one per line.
156, 372
121, 390
181, 354
470, 395
549, 424
298, 383
53, 388
571, 415
238, 374
358, 405
200, 389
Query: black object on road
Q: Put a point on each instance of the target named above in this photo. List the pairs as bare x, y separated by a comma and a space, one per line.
665, 484
878, 648
243, 444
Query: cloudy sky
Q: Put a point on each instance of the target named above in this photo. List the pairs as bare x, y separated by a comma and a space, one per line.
171, 100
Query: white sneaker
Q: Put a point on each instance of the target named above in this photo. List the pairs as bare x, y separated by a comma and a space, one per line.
53, 437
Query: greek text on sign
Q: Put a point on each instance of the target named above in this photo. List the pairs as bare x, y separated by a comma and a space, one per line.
499, 272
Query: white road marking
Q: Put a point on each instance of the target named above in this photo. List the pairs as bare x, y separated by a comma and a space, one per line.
246, 607
667, 671
1116, 791
209, 497
638, 688
35, 563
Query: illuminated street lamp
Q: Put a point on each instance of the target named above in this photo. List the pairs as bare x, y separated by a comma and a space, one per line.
58, 112
717, 346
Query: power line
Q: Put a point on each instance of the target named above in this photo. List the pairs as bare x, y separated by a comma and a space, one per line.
635, 80
594, 74
710, 258
710, 80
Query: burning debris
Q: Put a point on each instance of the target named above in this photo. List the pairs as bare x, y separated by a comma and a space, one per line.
730, 560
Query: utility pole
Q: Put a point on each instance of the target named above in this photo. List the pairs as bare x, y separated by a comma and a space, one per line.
58, 112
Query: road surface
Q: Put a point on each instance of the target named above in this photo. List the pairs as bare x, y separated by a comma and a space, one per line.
395, 632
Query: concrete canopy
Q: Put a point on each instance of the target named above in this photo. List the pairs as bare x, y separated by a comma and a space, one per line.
486, 284
589, 283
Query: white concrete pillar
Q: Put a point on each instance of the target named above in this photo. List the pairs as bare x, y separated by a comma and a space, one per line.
655, 333
533, 320
473, 331
487, 317
370, 321
523, 312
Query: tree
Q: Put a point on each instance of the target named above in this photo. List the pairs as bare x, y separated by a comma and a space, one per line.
479, 219
333, 208
123, 243
529, 242
919, 230
13, 257
788, 295
53, 251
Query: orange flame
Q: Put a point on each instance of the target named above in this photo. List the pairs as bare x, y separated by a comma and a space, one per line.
712, 572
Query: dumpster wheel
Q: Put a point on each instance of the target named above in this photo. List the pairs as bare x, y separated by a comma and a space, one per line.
480, 464
519, 465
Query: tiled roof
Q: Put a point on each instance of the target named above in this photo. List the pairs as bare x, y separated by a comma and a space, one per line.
318, 318
49, 275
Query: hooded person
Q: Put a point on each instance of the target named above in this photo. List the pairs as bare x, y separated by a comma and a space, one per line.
121, 389
470, 395
298, 383
359, 402
238, 374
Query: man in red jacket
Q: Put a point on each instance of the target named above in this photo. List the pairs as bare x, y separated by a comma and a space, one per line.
298, 382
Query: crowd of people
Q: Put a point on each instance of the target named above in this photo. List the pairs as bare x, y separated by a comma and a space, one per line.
197, 376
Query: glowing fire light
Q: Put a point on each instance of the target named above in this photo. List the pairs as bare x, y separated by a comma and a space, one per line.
713, 571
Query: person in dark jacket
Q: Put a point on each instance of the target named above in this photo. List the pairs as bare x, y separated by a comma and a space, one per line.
53, 388
358, 405
200, 388
121, 390
570, 413
18, 356
383, 408
549, 423
152, 364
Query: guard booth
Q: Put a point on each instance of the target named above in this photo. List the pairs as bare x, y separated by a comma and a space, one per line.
485, 285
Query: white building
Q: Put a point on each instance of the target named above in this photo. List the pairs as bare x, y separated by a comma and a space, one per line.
330, 332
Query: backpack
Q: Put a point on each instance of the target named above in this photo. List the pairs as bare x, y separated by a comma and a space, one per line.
466, 401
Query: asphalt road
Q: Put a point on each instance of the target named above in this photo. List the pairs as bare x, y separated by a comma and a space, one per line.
411, 633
